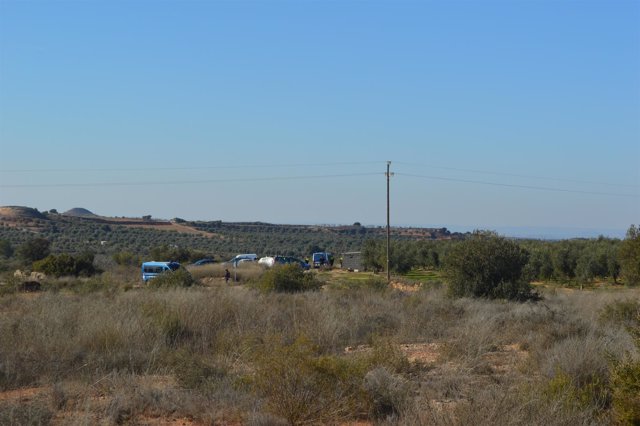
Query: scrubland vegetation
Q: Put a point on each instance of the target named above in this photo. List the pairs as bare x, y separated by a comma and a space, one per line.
466, 341
211, 353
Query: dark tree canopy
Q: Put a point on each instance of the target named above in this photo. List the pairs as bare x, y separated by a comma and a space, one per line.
487, 265
629, 256
6, 250
35, 249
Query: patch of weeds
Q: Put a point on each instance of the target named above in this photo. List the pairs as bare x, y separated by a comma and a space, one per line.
625, 386
386, 353
592, 395
175, 279
302, 386
370, 282
389, 393
623, 312
171, 325
121, 410
25, 413
423, 275
192, 371
288, 279
9, 284
625, 374
82, 286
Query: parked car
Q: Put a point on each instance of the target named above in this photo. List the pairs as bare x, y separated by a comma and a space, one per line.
204, 261
243, 258
153, 269
269, 261
288, 260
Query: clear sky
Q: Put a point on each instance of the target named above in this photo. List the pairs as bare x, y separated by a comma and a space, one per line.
494, 114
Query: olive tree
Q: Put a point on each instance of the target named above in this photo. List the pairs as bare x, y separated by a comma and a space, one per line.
488, 265
629, 256
33, 250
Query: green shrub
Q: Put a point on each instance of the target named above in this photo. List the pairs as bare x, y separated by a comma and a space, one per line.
126, 258
625, 373
34, 249
66, 265
178, 278
303, 386
288, 279
56, 265
6, 250
487, 265
562, 388
629, 256
625, 384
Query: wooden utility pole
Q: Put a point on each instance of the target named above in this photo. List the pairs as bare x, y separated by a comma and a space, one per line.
388, 174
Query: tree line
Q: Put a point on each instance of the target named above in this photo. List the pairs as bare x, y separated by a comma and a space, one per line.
579, 261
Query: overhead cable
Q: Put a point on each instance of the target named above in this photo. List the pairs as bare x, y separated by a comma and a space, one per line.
509, 185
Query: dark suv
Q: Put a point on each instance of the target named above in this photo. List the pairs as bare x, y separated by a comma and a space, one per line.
204, 261
287, 260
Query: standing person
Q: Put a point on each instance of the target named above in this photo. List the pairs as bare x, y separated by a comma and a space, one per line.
227, 275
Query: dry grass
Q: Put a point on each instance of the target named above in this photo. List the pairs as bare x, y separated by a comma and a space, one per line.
200, 356
212, 273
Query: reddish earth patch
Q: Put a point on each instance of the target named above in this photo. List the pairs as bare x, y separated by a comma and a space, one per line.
161, 226
425, 353
158, 421
506, 359
22, 395
405, 287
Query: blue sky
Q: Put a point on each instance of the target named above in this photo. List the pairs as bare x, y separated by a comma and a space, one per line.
494, 114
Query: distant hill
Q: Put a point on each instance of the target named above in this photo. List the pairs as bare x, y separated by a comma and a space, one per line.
19, 212
79, 212
79, 230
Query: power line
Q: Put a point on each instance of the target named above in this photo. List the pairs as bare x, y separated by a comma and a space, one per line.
185, 182
321, 164
145, 169
509, 185
305, 177
551, 178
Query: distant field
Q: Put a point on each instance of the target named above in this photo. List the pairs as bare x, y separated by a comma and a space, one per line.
423, 275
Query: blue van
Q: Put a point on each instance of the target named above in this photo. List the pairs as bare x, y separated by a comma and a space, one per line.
322, 259
153, 269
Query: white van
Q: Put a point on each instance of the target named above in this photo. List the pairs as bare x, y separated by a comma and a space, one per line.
243, 258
